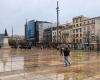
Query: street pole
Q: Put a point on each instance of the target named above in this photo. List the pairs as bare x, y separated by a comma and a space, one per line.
12, 32
57, 20
97, 39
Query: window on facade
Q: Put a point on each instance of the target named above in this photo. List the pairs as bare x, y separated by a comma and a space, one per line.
76, 20
77, 25
76, 40
76, 35
80, 30
80, 24
80, 35
80, 40
76, 30
73, 31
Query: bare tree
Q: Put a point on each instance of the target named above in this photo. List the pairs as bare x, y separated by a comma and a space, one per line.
86, 39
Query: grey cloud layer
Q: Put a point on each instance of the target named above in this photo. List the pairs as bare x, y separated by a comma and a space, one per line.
15, 12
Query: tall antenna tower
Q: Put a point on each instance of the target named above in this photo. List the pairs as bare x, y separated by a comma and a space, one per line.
57, 20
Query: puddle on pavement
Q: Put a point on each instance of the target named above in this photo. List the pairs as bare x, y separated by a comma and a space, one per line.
11, 63
83, 66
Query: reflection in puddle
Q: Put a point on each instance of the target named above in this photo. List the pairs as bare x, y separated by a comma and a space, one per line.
11, 63
47, 65
52, 76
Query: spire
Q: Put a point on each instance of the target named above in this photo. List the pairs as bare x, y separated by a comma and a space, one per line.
6, 34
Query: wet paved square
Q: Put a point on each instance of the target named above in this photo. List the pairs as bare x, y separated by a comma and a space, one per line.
47, 64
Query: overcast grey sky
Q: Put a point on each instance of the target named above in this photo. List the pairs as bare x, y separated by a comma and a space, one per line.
14, 12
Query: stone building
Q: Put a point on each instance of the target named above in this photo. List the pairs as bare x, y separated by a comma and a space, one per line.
91, 33
47, 36
86, 32
54, 34
77, 31
66, 35
82, 33
1, 39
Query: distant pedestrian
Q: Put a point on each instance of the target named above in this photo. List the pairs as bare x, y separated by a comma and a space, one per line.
66, 53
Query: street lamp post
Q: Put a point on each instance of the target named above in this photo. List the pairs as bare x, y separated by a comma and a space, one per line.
57, 20
12, 32
88, 39
97, 40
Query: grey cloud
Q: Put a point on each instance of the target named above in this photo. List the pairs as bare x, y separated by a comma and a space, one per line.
14, 12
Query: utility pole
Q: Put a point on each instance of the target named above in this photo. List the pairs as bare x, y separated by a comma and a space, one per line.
26, 30
57, 20
12, 32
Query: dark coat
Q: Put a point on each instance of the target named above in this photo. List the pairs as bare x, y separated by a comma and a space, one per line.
66, 52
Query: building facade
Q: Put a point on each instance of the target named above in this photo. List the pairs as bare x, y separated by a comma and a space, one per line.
47, 36
66, 35
91, 33
1, 39
54, 34
41, 26
34, 31
77, 31
82, 33
30, 31
86, 32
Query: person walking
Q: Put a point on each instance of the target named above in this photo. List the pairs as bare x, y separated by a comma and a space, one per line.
66, 53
